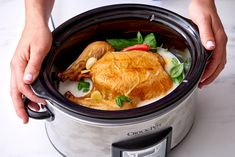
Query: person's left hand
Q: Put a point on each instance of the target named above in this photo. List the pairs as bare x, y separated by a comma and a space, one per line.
204, 14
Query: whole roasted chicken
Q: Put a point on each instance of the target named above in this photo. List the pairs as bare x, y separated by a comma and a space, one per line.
120, 80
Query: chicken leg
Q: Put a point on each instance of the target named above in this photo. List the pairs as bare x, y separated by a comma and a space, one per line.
96, 49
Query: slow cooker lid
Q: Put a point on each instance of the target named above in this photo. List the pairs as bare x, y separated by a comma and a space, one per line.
106, 16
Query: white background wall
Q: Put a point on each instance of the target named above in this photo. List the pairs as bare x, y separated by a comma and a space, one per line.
212, 133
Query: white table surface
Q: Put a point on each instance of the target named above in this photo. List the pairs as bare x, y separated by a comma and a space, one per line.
212, 134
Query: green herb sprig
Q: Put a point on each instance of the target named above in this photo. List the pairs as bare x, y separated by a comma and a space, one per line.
83, 86
121, 99
177, 71
150, 40
119, 44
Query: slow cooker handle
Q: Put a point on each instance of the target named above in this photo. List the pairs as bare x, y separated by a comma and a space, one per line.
37, 115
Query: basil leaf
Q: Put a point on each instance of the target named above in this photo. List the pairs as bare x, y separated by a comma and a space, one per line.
179, 79
119, 44
85, 90
124, 98
118, 101
121, 99
84, 86
177, 70
139, 38
186, 65
174, 61
80, 85
150, 40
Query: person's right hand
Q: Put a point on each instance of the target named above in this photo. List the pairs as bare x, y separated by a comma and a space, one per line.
213, 37
33, 46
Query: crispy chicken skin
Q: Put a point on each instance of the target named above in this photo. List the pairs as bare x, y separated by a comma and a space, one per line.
136, 74
96, 49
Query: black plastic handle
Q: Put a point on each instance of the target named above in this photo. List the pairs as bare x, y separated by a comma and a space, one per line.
37, 115
208, 54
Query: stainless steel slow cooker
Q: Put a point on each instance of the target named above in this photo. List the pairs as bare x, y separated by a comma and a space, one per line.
151, 130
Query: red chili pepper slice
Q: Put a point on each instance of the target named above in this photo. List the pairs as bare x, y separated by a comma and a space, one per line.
143, 47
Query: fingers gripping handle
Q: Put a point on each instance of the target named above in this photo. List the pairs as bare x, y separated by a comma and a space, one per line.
208, 53
47, 114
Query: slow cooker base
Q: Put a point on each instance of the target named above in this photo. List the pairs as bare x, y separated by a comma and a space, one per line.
53, 144
65, 155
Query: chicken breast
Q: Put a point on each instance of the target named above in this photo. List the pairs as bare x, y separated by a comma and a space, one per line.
137, 74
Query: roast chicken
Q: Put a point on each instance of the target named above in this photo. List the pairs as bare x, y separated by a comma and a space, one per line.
138, 75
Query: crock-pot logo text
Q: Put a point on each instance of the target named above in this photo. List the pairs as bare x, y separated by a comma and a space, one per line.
144, 131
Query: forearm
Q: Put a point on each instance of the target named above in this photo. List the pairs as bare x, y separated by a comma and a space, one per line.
37, 12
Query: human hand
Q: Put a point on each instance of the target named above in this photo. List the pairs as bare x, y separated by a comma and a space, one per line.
203, 13
34, 44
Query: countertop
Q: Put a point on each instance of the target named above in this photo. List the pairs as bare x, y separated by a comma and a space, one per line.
212, 133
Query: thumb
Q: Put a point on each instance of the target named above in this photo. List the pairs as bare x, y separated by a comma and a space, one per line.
33, 67
206, 33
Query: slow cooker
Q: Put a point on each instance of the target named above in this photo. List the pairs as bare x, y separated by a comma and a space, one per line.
151, 130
